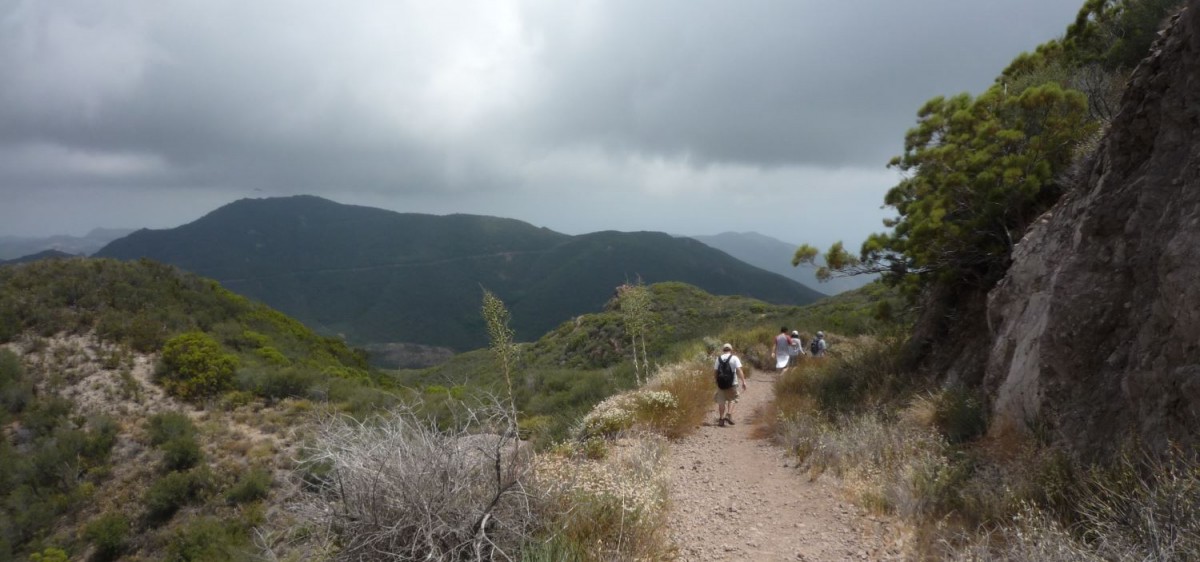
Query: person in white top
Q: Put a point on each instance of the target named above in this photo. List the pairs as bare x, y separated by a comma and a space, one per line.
729, 376
782, 343
795, 349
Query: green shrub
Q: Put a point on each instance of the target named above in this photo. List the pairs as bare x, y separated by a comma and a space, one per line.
959, 415
235, 399
101, 436
254, 485
175, 434
272, 356
167, 426
173, 491
44, 415
109, 534
51, 554
28, 514
10, 325
16, 393
277, 384
193, 366
208, 539
11, 370
181, 453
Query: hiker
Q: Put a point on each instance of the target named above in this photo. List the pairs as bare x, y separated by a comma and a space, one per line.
781, 344
818, 347
728, 370
795, 349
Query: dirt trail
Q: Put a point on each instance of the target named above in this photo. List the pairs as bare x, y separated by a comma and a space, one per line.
737, 497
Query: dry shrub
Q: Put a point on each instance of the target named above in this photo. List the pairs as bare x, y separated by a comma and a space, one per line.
399, 488
1138, 508
692, 385
671, 404
612, 508
1031, 536
1145, 508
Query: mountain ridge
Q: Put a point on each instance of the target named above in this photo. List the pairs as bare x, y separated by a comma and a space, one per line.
378, 276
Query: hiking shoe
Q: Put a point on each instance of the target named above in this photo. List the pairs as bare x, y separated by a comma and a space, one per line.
728, 420
721, 422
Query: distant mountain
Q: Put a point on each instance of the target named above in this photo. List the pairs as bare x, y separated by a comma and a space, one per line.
378, 276
776, 256
12, 247
43, 255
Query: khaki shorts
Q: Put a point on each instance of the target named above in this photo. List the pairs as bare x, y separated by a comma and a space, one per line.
724, 395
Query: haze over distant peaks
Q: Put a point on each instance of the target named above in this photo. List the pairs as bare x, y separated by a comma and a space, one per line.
775, 255
12, 247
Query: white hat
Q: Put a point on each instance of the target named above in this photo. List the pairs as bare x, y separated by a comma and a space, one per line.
795, 333
727, 347
820, 334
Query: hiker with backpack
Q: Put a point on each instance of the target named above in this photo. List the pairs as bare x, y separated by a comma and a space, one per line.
728, 370
817, 347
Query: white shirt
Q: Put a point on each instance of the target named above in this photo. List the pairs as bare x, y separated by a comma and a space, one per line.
734, 362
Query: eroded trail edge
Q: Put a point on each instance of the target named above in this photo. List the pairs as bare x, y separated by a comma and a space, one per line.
738, 497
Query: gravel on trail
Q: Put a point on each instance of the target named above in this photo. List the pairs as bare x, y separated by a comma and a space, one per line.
737, 497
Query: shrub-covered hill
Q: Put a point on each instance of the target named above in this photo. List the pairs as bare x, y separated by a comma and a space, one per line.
379, 276
588, 358
143, 303
149, 413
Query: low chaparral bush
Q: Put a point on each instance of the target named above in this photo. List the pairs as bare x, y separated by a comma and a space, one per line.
252, 486
194, 366
109, 534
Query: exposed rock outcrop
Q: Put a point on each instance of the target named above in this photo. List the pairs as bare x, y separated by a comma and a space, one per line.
1096, 328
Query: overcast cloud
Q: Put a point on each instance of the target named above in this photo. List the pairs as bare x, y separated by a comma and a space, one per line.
685, 116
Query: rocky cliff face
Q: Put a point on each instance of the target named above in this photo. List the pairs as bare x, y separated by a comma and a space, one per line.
1096, 328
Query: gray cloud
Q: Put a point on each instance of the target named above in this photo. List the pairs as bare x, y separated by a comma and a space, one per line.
577, 116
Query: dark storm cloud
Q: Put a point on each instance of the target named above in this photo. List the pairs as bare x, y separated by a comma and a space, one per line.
668, 100
827, 83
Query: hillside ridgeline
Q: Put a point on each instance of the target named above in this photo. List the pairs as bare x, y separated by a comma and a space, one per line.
378, 276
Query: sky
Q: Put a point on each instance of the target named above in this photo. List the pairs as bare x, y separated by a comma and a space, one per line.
683, 116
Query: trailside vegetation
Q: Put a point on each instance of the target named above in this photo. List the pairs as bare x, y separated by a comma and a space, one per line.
562, 375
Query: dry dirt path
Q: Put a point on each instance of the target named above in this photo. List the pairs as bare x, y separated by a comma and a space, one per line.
738, 497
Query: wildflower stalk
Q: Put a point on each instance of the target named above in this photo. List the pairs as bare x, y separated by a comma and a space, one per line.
501, 337
635, 314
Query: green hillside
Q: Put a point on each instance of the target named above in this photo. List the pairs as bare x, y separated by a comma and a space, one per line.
142, 304
585, 359
377, 276
148, 412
